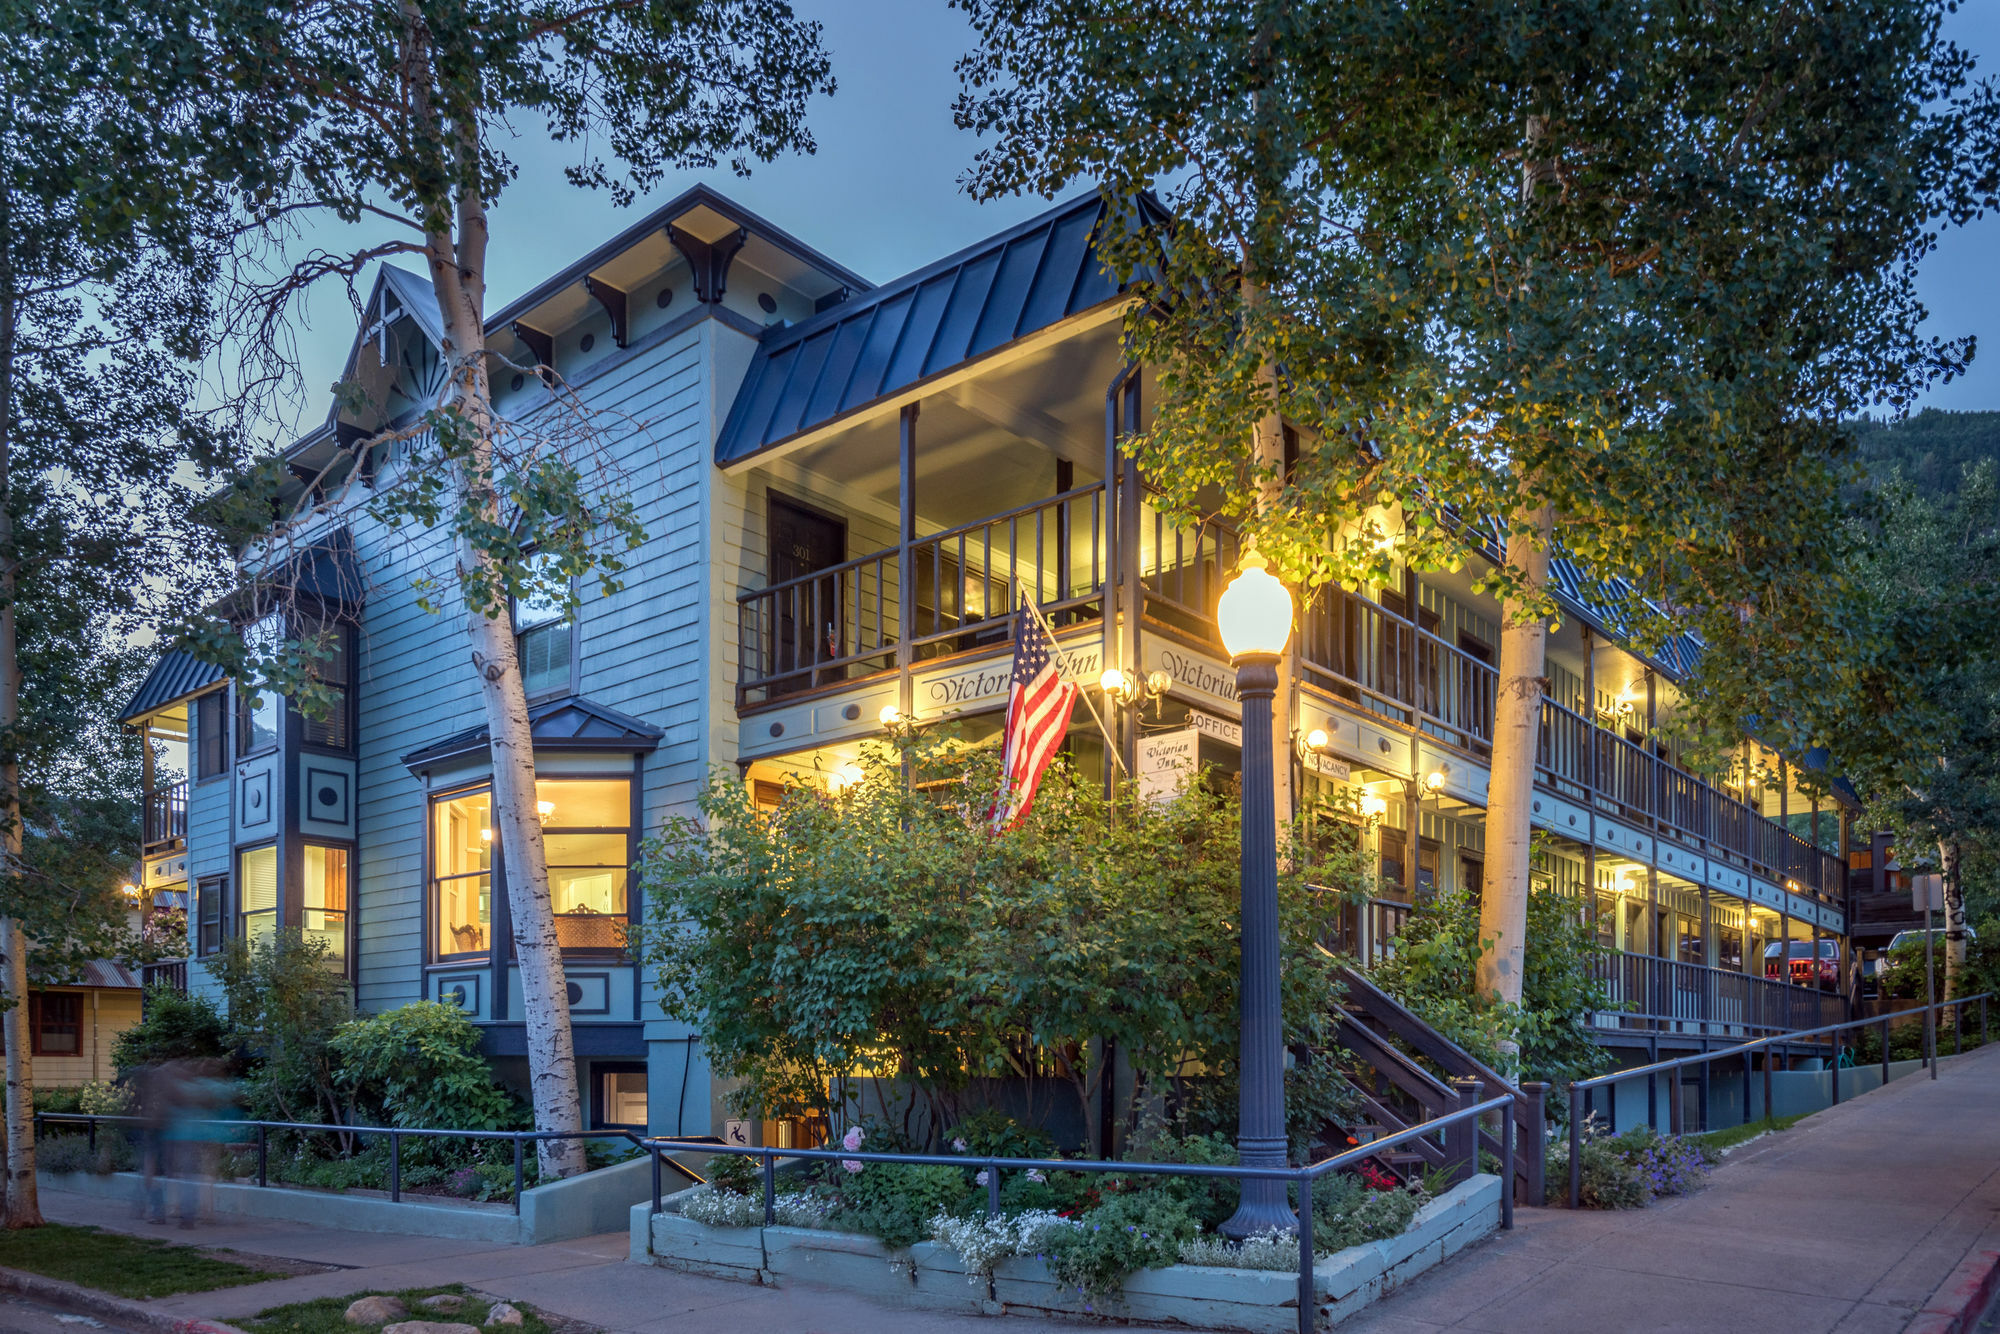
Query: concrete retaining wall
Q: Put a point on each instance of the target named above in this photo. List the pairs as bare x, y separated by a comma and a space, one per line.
932, 1277
582, 1206
1793, 1092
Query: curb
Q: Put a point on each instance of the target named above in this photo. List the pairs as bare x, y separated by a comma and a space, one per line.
90, 1301
1957, 1305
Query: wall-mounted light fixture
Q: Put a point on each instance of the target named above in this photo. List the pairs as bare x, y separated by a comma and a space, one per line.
1434, 781
843, 778
1374, 808
1129, 690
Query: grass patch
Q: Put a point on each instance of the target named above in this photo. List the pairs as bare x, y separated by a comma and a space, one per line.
327, 1315
1715, 1141
123, 1266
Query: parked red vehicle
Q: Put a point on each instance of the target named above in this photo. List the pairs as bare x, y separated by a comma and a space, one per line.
1803, 973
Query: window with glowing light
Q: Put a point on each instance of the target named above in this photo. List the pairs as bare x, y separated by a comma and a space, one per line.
587, 834
462, 874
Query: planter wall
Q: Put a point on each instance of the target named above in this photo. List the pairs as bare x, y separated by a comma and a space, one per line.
933, 1278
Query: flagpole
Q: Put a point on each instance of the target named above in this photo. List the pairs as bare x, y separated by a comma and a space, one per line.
1082, 691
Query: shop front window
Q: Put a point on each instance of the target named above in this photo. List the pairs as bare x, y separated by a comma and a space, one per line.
462, 874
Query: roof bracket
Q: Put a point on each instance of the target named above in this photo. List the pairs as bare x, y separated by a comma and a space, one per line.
710, 260
540, 345
614, 303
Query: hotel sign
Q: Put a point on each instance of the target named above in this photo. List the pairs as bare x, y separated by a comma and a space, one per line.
985, 683
1195, 675
1166, 763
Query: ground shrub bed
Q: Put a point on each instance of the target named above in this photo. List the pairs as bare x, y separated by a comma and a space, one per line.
124, 1266
1093, 1230
326, 1315
1629, 1170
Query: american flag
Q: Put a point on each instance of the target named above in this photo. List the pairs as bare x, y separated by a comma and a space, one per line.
1038, 709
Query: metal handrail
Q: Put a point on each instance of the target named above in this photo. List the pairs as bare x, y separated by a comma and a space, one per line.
1742, 1051
519, 1138
1299, 1177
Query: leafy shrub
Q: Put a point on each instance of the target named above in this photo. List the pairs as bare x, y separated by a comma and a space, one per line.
1269, 1250
1626, 1171
895, 1201
734, 1171
1347, 1213
992, 1133
419, 1065
102, 1097
885, 928
1127, 1233
72, 1153
177, 1026
1209, 1200
286, 998
1432, 973
67, 1099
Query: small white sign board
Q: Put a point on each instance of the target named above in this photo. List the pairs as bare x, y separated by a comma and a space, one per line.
736, 1132
1328, 767
1166, 762
1926, 893
1222, 729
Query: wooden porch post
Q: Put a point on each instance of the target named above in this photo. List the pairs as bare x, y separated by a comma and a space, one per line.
906, 574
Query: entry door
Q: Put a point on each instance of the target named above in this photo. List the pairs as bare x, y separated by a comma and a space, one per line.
807, 629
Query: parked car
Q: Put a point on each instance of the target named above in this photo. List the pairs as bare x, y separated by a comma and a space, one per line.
1802, 972
1916, 938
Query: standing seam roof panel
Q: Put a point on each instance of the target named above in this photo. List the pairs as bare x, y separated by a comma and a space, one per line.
848, 340
961, 315
1013, 281
1063, 266
799, 384
919, 333
885, 335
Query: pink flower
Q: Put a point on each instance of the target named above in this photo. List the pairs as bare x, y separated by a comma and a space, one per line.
981, 1178
850, 1164
851, 1142
958, 1146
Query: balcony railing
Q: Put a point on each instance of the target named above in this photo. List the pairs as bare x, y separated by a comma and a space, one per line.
844, 623
166, 814
1666, 995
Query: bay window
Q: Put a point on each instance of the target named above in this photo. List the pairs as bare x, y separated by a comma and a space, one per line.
462, 874
257, 893
323, 905
587, 839
587, 830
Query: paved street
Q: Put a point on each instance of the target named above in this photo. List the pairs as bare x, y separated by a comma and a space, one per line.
1848, 1222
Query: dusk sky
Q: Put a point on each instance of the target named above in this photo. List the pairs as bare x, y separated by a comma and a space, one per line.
882, 195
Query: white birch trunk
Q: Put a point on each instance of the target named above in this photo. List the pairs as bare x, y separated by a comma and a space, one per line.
22, 1208
458, 278
1503, 909
1950, 860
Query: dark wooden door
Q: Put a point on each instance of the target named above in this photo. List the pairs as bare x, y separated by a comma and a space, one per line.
808, 628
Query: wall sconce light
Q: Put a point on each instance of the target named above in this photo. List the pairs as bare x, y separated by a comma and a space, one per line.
130, 891
1434, 781
843, 778
1317, 740
890, 716
1374, 808
1127, 690
545, 809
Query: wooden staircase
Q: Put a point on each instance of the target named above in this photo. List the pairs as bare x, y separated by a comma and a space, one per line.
1405, 1057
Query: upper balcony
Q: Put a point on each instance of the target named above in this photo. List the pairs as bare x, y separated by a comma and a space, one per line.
833, 628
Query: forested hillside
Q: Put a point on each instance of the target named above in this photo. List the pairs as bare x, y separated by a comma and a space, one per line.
1932, 448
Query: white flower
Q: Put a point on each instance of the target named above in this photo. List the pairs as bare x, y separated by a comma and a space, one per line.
1035, 1174
981, 1178
851, 1141
958, 1146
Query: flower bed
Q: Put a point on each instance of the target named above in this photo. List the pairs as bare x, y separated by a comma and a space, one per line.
939, 1277
1628, 1171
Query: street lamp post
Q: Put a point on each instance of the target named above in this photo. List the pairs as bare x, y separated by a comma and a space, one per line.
1255, 617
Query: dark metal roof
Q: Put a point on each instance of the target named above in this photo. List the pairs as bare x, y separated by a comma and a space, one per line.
1615, 607
569, 723
175, 676
942, 316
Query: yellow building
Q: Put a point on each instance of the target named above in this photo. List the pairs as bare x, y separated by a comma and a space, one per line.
74, 1027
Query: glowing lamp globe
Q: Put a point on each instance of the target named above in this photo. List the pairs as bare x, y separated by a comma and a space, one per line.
1255, 613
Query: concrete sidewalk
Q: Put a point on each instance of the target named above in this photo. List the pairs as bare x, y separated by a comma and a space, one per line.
1847, 1222
589, 1280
